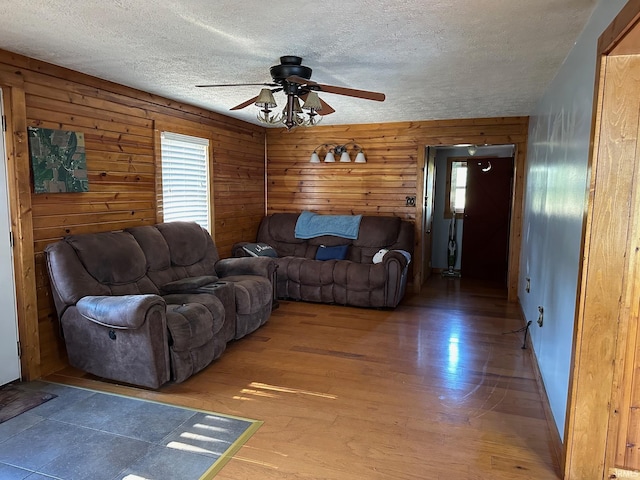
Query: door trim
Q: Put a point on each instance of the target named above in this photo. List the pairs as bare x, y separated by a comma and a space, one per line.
19, 185
517, 206
606, 275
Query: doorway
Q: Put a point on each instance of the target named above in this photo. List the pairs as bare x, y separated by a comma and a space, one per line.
441, 218
9, 355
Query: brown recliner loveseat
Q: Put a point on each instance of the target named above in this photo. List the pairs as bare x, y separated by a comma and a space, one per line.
153, 304
355, 280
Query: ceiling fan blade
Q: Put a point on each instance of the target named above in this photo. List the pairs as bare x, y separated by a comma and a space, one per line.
239, 85
245, 104
350, 92
326, 108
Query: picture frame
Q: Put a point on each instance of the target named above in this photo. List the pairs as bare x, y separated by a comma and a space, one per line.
58, 159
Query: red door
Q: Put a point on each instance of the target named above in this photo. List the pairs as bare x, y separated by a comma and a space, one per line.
487, 212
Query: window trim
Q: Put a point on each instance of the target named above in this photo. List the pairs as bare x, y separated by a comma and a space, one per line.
447, 190
194, 131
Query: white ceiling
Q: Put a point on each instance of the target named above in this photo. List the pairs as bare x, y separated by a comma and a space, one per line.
434, 59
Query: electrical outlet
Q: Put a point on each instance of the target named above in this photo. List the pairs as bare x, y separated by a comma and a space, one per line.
540, 315
527, 285
411, 201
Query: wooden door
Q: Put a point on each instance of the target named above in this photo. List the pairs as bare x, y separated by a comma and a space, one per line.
485, 232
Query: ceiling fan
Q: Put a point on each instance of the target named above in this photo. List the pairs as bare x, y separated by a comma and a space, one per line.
293, 78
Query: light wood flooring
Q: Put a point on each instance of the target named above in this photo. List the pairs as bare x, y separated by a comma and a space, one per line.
433, 390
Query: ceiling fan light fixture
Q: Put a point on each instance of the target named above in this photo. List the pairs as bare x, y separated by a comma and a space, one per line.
294, 80
265, 99
312, 102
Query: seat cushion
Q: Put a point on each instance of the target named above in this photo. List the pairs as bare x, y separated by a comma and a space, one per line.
252, 292
190, 326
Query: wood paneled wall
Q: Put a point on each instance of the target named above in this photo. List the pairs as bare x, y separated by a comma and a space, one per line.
394, 171
118, 123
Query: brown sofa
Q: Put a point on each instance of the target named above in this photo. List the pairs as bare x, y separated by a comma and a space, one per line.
356, 280
153, 304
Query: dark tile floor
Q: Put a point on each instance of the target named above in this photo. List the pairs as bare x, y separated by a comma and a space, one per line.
83, 434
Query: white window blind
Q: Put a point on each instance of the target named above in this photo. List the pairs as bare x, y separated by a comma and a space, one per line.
185, 178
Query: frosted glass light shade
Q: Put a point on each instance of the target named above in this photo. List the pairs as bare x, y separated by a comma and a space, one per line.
314, 158
329, 158
360, 158
345, 157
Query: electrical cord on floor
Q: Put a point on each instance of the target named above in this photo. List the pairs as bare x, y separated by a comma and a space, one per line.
524, 329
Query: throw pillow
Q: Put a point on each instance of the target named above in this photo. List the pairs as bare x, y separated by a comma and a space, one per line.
260, 250
377, 258
338, 252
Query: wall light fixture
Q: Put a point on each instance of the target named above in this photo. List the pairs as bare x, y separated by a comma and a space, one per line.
333, 149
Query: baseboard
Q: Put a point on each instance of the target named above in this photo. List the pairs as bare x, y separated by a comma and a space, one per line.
556, 440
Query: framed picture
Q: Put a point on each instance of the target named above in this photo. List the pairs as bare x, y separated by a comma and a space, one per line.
58, 160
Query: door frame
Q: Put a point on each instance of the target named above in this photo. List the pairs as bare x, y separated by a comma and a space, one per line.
606, 321
19, 186
429, 176
517, 206
12, 369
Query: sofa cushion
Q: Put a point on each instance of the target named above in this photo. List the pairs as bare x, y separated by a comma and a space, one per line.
153, 245
252, 292
190, 325
282, 227
112, 258
187, 242
329, 241
378, 232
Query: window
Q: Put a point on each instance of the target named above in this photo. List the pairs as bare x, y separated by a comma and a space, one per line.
185, 178
456, 187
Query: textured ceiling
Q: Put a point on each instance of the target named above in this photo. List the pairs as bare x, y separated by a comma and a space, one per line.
434, 59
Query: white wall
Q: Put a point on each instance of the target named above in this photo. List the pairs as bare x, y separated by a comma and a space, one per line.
555, 195
440, 227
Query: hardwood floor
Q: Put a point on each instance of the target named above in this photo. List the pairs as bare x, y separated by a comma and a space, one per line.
431, 390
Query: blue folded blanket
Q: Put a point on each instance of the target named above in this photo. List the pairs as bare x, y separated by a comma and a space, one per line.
310, 225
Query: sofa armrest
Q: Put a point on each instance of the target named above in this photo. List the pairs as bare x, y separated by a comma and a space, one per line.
127, 312
395, 256
263, 266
